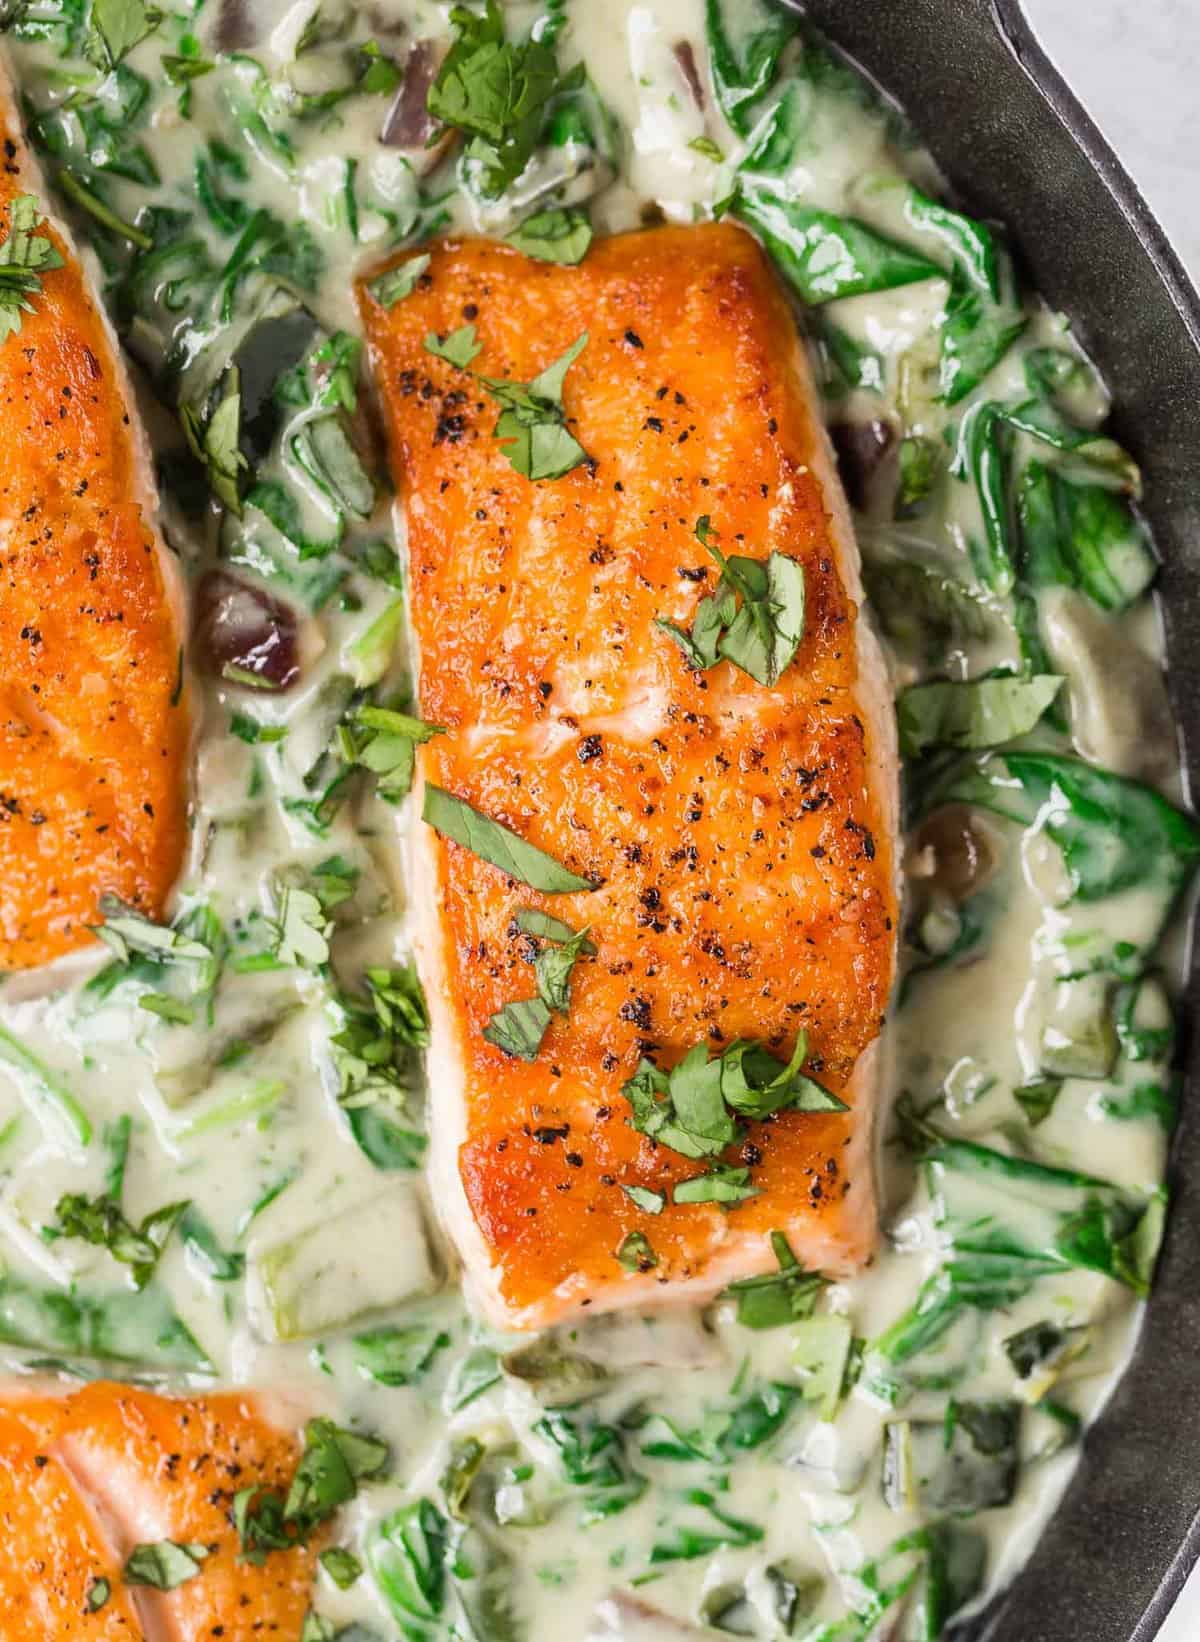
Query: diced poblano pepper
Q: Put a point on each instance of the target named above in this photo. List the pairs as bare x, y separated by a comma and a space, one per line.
371, 1256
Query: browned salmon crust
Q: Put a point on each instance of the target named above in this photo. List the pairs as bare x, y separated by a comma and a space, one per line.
744, 837
93, 731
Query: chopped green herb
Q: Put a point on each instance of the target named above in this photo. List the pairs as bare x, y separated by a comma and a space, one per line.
214, 442
691, 1108
761, 634
635, 1252
302, 928
460, 348
100, 1222
724, 1183
518, 1028
163, 1565
496, 91
497, 844
98, 1592
649, 1201
342, 1566
560, 234
776, 1297
397, 283
532, 425
24, 257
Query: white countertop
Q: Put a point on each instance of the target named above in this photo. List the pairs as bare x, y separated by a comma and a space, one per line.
1135, 64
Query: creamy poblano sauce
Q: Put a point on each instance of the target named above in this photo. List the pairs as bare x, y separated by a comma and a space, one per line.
881, 1455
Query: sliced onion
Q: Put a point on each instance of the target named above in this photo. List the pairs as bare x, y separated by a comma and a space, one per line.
408, 123
685, 56
245, 636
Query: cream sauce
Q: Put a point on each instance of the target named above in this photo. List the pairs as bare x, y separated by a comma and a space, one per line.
240, 1114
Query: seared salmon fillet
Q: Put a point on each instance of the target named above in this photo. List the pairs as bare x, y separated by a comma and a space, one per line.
743, 837
93, 733
87, 1477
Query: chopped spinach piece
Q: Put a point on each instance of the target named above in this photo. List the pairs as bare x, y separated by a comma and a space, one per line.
407, 1556
963, 1463
397, 1356
745, 42
594, 1457
972, 713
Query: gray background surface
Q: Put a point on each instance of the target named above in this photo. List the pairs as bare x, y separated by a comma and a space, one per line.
1135, 65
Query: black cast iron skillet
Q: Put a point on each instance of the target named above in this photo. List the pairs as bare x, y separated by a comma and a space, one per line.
1018, 148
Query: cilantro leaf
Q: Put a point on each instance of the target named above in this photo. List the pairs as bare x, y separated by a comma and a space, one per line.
101, 1222
24, 257
98, 1592
561, 234
496, 91
395, 284
532, 425
164, 1564
454, 818
372, 1051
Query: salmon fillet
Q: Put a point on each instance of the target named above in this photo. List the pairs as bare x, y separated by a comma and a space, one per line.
93, 734
84, 1478
743, 836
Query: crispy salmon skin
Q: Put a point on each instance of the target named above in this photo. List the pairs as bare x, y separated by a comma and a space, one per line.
93, 731
743, 836
86, 1478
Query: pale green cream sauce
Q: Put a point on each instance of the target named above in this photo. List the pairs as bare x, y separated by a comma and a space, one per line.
240, 1115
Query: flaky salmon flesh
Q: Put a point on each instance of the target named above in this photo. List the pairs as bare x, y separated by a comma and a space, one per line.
93, 724
743, 836
87, 1478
